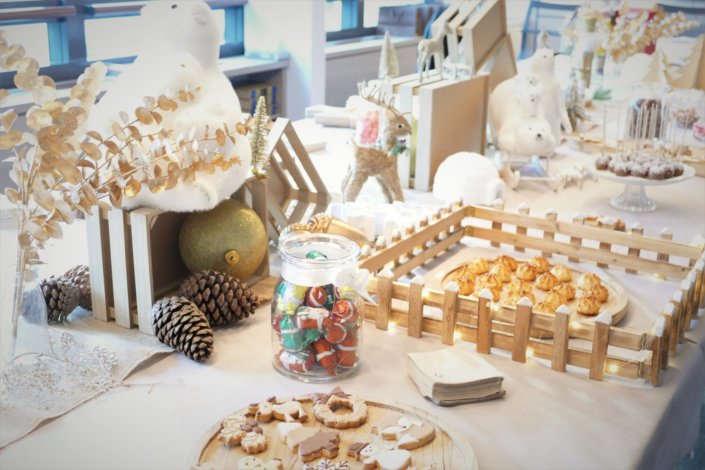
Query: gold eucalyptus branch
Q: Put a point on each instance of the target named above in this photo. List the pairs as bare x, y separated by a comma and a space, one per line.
62, 171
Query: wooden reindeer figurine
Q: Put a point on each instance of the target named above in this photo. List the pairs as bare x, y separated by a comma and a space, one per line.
379, 163
429, 48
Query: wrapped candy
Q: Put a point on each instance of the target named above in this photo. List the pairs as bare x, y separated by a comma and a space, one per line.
336, 332
325, 355
289, 297
344, 311
315, 318
297, 361
346, 351
321, 296
292, 338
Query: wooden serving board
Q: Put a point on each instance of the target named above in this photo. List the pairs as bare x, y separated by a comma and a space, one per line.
616, 304
448, 450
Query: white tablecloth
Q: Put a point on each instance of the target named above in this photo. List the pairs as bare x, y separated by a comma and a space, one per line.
546, 420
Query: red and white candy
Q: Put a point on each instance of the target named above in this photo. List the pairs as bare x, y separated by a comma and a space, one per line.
321, 296
344, 311
325, 355
313, 318
346, 351
336, 333
297, 361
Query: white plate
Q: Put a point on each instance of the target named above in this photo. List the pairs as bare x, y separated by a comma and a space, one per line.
688, 172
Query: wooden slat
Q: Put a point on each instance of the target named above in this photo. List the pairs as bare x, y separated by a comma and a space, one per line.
551, 215
428, 254
665, 234
598, 355
290, 164
499, 206
379, 260
682, 295
579, 358
415, 307
121, 267
521, 332
520, 229
384, 299
484, 326
99, 265
561, 330
305, 160
655, 368
576, 241
142, 254
584, 253
636, 231
450, 299
587, 232
667, 325
674, 307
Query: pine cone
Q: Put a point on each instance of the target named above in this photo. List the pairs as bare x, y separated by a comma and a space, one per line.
60, 298
221, 297
79, 277
178, 323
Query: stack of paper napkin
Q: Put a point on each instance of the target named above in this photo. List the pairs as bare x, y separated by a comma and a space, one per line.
451, 377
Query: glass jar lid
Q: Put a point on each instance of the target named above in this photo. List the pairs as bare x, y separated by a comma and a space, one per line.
314, 259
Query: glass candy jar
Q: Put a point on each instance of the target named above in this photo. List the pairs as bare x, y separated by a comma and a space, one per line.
317, 309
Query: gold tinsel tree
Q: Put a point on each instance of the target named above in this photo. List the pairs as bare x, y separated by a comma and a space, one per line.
259, 127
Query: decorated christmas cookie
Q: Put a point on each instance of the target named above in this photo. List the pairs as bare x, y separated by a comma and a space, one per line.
388, 459
254, 443
285, 428
288, 411
321, 444
296, 436
326, 412
253, 463
325, 464
410, 434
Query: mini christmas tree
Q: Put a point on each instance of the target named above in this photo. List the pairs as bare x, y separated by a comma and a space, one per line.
388, 62
258, 139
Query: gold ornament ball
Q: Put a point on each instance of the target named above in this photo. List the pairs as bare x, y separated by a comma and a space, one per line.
229, 238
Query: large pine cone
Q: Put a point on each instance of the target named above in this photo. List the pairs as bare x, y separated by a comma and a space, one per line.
178, 323
221, 297
60, 298
79, 277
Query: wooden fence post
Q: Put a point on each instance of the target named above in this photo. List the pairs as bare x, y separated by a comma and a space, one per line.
637, 230
141, 252
408, 232
664, 234
561, 335
600, 341
385, 281
551, 216
450, 313
656, 347
121, 263
578, 218
99, 262
675, 304
484, 322
415, 322
667, 316
523, 210
498, 204
700, 283
522, 325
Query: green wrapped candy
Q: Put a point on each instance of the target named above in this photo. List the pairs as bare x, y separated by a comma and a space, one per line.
311, 335
291, 336
315, 254
289, 297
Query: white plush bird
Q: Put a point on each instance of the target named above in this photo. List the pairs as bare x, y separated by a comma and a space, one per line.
181, 52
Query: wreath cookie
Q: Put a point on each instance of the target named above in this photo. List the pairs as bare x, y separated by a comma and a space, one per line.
325, 412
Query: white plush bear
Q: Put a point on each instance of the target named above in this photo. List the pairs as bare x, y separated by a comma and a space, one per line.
516, 96
471, 176
181, 51
526, 136
553, 104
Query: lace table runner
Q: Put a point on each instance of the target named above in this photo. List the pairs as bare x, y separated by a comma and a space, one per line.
60, 367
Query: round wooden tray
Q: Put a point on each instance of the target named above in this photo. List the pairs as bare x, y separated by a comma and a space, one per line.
616, 304
447, 450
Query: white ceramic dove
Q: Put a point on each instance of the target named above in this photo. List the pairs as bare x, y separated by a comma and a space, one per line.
181, 51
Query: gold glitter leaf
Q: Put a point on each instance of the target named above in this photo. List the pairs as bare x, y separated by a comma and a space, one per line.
53, 229
112, 147
38, 118
8, 119
23, 239
115, 194
149, 102
95, 136
12, 195
25, 80
42, 94
183, 96
132, 188
10, 139
86, 164
157, 117
158, 185
166, 104
92, 150
144, 116
220, 137
70, 172
118, 132
50, 142
63, 210
134, 133
241, 128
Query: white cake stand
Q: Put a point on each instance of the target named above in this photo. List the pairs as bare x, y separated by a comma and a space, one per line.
633, 198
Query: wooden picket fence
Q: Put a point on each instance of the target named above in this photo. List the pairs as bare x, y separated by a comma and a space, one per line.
490, 325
